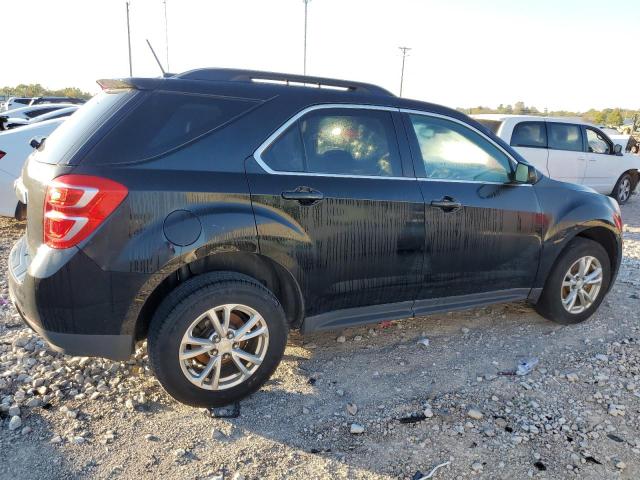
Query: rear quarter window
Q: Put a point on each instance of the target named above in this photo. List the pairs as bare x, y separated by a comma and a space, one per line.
529, 134
163, 122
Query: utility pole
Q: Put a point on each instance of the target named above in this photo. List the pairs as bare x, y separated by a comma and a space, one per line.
404, 54
166, 32
129, 40
306, 5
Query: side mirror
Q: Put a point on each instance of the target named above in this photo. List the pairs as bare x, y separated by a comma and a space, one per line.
617, 149
37, 142
525, 174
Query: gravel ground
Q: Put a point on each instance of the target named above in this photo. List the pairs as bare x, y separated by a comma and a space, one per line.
364, 403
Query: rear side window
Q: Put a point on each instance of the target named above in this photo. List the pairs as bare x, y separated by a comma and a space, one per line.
165, 121
342, 141
564, 136
41, 111
529, 134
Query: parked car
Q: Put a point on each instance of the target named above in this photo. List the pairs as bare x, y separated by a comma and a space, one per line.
212, 211
570, 151
16, 102
10, 122
72, 100
27, 113
14, 150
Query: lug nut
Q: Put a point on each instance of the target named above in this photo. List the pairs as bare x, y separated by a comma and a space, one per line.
214, 352
230, 335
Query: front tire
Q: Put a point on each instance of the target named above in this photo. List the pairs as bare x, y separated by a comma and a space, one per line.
577, 283
622, 190
216, 338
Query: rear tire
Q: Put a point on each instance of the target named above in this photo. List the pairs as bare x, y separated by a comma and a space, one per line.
622, 190
185, 342
564, 284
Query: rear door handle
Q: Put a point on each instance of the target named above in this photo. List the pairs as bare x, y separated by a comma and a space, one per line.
447, 204
303, 195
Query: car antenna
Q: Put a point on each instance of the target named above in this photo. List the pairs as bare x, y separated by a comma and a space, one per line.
164, 74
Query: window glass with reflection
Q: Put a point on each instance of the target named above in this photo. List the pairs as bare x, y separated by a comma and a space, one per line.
451, 151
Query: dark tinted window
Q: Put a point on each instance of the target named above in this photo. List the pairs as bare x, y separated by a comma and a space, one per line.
529, 134
286, 154
350, 142
493, 125
563, 136
164, 121
23, 101
338, 141
451, 151
68, 137
41, 111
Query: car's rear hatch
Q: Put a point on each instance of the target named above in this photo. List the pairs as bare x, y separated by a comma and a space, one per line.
57, 155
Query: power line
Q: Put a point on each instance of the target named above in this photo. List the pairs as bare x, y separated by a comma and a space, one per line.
404, 54
166, 32
129, 40
306, 5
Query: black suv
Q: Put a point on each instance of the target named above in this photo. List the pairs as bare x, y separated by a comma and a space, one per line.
213, 210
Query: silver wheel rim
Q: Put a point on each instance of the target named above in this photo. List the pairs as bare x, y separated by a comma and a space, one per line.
625, 190
581, 284
223, 347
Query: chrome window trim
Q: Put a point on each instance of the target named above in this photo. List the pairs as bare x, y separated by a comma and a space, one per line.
257, 155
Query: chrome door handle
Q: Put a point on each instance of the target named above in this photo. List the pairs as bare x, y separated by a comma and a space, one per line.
446, 204
304, 195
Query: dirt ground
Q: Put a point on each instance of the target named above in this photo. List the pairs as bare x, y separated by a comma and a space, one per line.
576, 415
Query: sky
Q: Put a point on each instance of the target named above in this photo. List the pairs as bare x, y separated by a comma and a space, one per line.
555, 54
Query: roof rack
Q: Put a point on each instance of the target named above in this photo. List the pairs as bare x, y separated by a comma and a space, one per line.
237, 75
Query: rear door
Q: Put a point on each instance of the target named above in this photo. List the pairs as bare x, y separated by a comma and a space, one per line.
567, 159
529, 139
602, 172
482, 231
337, 203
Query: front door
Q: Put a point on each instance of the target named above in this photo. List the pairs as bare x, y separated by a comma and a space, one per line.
335, 206
482, 231
601, 174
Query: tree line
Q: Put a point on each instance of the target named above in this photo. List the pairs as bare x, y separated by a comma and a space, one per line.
609, 116
37, 90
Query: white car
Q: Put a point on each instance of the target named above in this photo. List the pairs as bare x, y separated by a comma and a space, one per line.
14, 149
569, 150
16, 102
11, 122
26, 113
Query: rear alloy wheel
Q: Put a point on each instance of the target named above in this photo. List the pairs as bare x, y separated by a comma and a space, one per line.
223, 347
622, 190
577, 283
216, 339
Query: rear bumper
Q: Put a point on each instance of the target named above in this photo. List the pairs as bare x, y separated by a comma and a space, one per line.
66, 298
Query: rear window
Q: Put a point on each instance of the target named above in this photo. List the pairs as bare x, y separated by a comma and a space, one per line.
68, 137
529, 134
493, 125
163, 122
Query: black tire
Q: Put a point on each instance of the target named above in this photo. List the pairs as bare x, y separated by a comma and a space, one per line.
622, 191
183, 305
550, 303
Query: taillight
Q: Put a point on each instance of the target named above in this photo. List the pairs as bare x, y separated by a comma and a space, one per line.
75, 205
617, 218
2, 154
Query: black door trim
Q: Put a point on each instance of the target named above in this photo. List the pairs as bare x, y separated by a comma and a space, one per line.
350, 317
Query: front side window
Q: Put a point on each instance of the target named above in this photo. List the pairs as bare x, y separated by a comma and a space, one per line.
529, 134
451, 151
40, 111
563, 136
597, 143
338, 141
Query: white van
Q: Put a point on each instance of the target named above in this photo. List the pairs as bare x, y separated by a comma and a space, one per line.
569, 150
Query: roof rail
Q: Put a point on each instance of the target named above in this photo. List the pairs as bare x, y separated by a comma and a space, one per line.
237, 75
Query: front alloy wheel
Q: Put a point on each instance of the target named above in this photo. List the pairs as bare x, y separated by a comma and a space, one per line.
223, 347
581, 284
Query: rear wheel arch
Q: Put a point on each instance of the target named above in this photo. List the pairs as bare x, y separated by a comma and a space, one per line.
264, 270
